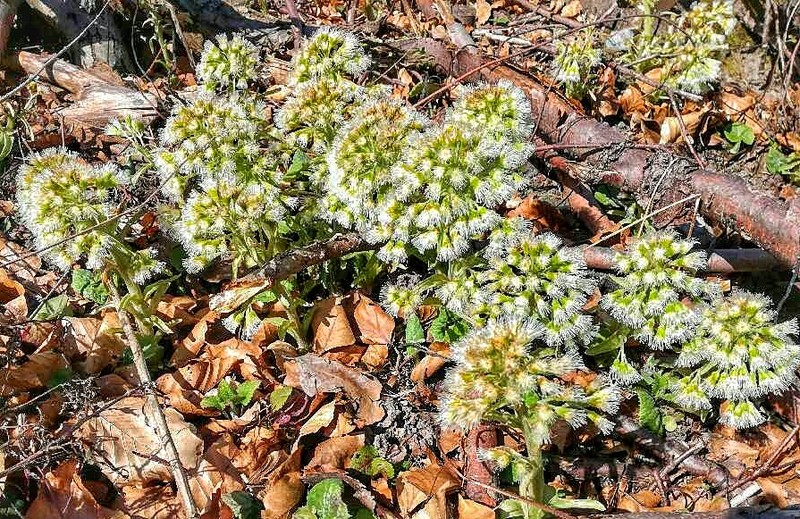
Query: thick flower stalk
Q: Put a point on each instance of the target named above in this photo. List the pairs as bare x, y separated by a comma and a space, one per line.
656, 273
505, 374
740, 354
330, 53
227, 63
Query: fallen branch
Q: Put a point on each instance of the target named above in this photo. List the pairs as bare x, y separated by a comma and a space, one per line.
771, 223
97, 101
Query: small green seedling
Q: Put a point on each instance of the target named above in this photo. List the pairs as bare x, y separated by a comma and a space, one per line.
324, 501
367, 461
738, 134
779, 163
229, 396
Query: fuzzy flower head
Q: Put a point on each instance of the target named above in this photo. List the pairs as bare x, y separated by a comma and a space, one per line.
58, 196
227, 64
228, 220
504, 374
655, 273
446, 189
501, 111
574, 60
400, 301
539, 278
317, 109
360, 160
741, 352
213, 137
329, 53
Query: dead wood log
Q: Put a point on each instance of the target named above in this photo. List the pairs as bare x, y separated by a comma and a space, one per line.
755, 512
771, 223
102, 42
96, 99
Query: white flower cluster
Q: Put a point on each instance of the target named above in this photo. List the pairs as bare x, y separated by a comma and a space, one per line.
740, 354
329, 53
228, 63
575, 57
503, 373
687, 50
68, 207
655, 274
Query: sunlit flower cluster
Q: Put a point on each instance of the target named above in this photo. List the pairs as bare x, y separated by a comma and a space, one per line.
575, 58
656, 273
228, 63
740, 354
330, 53
504, 374
68, 206
538, 277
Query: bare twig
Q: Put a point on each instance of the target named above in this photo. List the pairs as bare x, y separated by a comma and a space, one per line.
156, 413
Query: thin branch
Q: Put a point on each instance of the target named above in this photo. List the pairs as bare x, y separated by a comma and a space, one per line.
156, 413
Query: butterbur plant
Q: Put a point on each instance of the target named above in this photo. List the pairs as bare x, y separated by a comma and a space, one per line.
504, 373
69, 207
739, 354
331, 53
227, 63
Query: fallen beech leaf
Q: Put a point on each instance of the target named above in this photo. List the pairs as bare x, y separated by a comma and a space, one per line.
711, 505
774, 492
35, 373
27, 269
321, 419
215, 474
671, 127
347, 355
95, 342
431, 362
284, 488
468, 509
177, 308
12, 297
483, 11
314, 374
376, 355
374, 326
235, 295
734, 455
190, 346
428, 485
572, 9
330, 326
543, 215
334, 454
156, 502
62, 495
130, 447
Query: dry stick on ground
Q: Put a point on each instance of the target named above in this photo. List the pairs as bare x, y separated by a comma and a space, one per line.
156, 413
772, 224
97, 101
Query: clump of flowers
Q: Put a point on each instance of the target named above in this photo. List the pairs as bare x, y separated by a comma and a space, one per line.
575, 58
505, 374
738, 353
360, 158
227, 64
330, 53
655, 274
687, 49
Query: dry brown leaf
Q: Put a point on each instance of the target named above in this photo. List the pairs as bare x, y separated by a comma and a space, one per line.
177, 309
734, 455
322, 418
572, 9
93, 344
130, 447
216, 474
428, 486
469, 509
334, 454
483, 11
314, 374
375, 356
671, 127
34, 373
330, 326
543, 215
191, 345
774, 492
26, 269
284, 488
62, 495
12, 297
431, 362
156, 502
374, 326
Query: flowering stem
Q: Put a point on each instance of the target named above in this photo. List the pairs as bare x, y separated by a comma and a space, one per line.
531, 483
